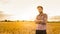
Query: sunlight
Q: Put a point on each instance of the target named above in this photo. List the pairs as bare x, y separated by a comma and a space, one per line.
26, 10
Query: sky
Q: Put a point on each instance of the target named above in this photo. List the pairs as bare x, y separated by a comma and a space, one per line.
26, 9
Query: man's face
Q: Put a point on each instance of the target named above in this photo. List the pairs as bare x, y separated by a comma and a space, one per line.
40, 10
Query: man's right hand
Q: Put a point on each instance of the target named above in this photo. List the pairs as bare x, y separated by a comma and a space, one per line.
38, 21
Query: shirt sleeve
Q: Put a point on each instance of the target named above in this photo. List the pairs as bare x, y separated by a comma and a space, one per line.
37, 17
45, 18
37, 20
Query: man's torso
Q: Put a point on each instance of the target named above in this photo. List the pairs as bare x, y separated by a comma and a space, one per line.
41, 26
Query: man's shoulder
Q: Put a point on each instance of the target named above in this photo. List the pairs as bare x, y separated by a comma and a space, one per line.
38, 15
44, 14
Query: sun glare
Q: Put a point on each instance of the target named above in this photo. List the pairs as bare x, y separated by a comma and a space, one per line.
26, 10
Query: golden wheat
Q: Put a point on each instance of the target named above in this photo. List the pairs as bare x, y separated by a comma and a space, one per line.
26, 28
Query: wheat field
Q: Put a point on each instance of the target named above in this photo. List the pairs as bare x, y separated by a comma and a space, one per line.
27, 27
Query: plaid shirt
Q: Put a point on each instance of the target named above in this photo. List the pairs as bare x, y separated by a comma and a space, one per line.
41, 26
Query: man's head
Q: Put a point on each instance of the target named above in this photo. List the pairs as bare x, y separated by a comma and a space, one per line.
40, 9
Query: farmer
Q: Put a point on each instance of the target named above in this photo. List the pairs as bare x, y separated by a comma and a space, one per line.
41, 21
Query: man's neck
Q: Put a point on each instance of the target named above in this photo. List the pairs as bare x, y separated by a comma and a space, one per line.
41, 13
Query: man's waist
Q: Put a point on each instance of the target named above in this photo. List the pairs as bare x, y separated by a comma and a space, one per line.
43, 23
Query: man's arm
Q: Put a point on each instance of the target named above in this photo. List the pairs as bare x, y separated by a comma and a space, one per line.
38, 21
45, 18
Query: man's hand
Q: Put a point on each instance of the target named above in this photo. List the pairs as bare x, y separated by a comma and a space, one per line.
38, 21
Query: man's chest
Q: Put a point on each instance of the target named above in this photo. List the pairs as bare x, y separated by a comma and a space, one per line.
40, 17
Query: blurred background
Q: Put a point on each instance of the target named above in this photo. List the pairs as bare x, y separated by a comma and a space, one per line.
26, 9
17, 16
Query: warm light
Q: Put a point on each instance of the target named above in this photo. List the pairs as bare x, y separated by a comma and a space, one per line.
26, 10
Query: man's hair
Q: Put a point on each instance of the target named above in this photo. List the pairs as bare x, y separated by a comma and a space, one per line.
40, 7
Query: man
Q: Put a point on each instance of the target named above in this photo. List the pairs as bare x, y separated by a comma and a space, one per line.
41, 21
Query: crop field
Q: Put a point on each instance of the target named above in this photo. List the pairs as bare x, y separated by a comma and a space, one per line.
27, 27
